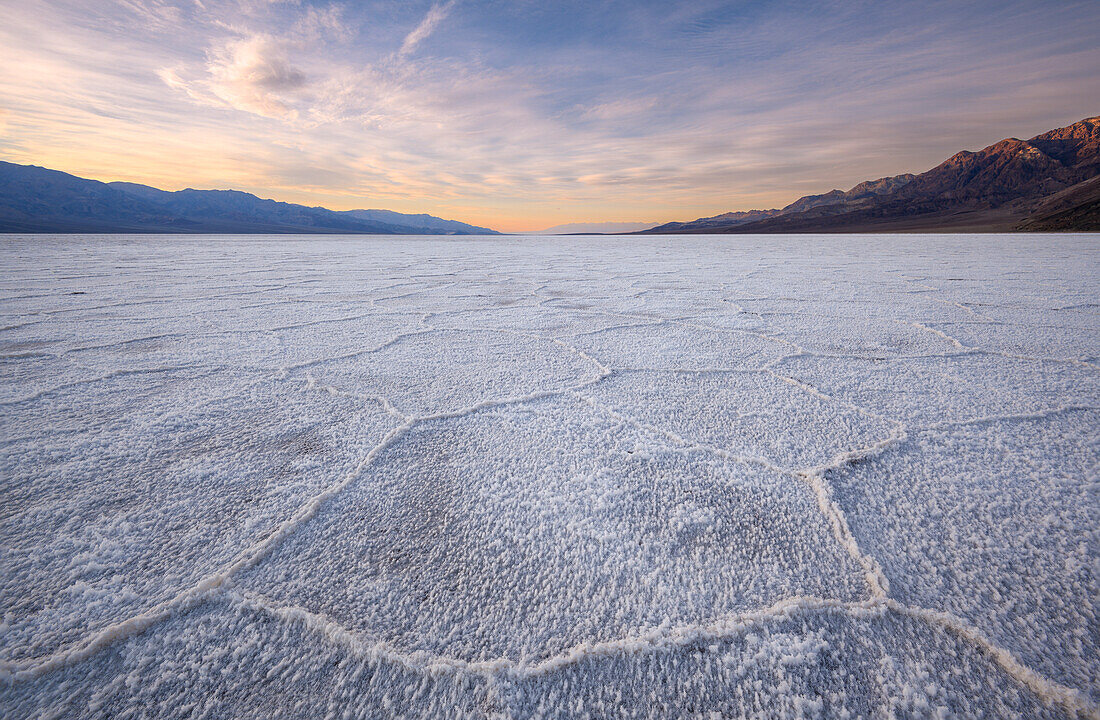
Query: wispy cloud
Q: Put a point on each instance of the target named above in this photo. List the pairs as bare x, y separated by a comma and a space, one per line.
426, 27
322, 25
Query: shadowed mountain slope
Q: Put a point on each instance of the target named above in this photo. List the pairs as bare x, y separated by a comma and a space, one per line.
35, 199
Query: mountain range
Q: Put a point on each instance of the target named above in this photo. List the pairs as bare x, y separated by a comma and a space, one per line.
1050, 182
35, 199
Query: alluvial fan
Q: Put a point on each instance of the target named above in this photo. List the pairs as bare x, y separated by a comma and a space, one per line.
577, 477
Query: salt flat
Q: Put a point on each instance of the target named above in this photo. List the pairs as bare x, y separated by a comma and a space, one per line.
812, 476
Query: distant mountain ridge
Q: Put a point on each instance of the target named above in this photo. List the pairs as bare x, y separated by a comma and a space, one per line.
862, 192
422, 220
35, 199
1046, 183
589, 228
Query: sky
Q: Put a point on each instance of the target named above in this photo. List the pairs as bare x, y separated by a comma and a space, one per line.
525, 114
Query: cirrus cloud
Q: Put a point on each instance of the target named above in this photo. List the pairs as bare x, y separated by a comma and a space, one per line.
426, 27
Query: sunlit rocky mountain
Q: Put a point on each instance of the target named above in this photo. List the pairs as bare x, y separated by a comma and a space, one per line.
1046, 183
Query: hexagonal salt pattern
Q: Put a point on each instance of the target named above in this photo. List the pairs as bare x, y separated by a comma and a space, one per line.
864, 335
541, 319
1078, 339
967, 386
445, 371
755, 415
651, 477
527, 530
810, 664
993, 522
121, 493
677, 346
236, 659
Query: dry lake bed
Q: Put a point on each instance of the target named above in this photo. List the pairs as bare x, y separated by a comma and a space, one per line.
654, 477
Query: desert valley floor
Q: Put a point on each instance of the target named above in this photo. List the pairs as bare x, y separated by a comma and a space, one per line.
591, 477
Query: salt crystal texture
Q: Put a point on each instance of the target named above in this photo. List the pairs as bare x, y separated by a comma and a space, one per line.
652, 477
